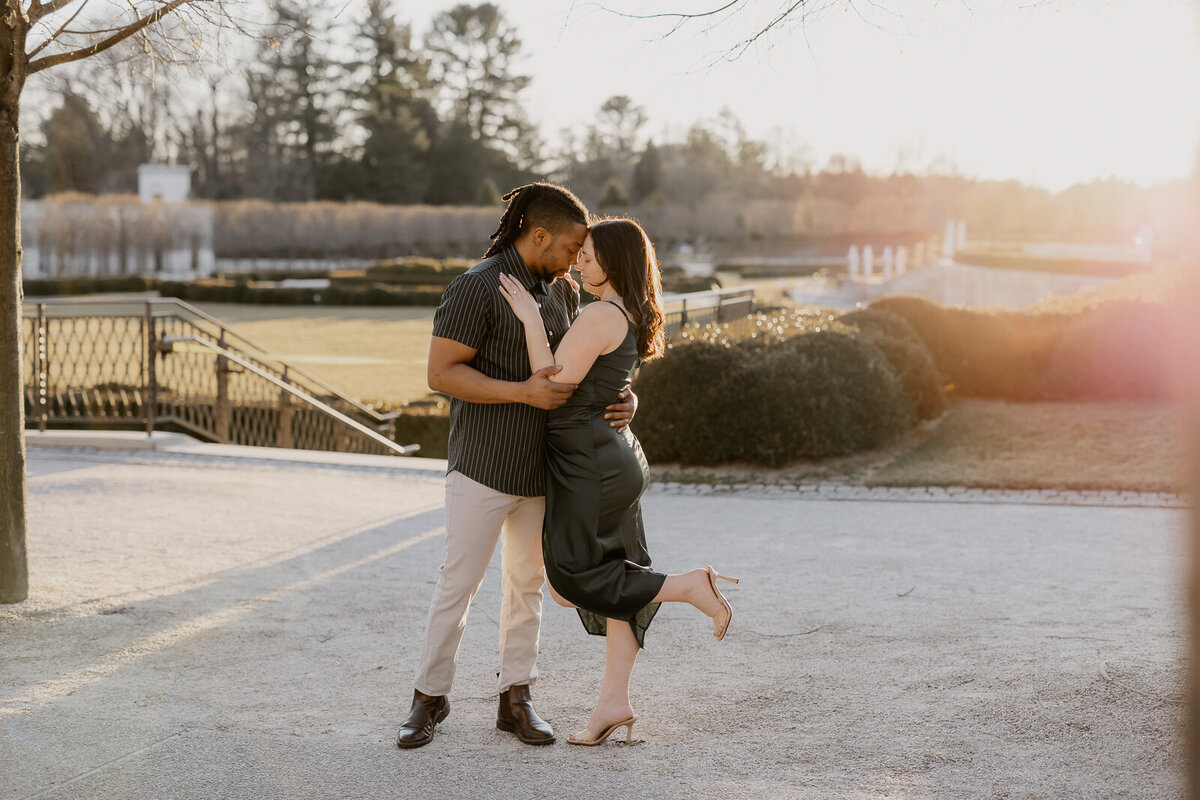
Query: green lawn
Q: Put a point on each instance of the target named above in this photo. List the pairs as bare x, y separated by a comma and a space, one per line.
376, 353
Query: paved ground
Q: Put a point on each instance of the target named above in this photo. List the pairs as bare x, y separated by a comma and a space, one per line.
204, 626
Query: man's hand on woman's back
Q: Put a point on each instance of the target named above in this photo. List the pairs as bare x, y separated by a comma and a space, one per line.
620, 414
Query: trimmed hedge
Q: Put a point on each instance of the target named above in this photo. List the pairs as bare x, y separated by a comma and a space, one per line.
401, 281
431, 431
768, 400
227, 292
425, 422
50, 287
275, 275
1114, 350
908, 357
979, 353
688, 403
424, 270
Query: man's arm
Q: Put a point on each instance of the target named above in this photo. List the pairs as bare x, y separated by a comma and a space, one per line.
450, 374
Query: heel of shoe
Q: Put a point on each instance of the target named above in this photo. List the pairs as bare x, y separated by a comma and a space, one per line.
718, 576
629, 731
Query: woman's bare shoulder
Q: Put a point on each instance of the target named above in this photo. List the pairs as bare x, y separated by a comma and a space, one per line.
602, 316
601, 324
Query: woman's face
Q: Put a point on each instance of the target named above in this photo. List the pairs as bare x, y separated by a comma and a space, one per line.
590, 273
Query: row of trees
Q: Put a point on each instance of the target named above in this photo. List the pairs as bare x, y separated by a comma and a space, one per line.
329, 108
319, 108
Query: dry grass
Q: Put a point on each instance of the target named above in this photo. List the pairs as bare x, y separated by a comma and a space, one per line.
995, 444
373, 353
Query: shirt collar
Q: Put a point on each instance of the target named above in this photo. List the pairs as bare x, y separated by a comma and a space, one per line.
520, 270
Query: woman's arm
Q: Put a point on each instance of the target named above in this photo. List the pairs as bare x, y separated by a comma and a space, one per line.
526, 309
598, 329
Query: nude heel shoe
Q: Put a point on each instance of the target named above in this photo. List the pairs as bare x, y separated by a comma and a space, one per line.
713, 577
585, 740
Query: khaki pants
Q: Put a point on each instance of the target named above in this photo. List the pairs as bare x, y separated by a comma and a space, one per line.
475, 517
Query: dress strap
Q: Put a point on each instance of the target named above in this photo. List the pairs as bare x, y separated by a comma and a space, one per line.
624, 313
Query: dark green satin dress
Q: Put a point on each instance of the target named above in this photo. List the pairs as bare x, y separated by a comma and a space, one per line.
593, 541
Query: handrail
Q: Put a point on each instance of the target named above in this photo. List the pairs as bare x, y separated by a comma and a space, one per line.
256, 349
404, 450
263, 356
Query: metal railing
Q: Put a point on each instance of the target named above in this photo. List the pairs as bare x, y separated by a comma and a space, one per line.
716, 305
156, 362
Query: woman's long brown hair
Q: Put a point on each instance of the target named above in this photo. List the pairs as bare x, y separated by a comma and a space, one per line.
626, 255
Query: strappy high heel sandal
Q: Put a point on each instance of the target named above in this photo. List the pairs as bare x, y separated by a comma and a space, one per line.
585, 740
713, 577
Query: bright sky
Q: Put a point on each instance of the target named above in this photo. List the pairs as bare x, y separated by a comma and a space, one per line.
1051, 92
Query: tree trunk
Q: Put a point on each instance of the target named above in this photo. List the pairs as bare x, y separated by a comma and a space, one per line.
14, 569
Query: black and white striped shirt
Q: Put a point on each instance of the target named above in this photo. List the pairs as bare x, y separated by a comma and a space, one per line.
500, 445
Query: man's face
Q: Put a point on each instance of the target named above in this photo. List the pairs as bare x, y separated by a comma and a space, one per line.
561, 251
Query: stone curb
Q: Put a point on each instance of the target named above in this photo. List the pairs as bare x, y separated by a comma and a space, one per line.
132, 443
931, 494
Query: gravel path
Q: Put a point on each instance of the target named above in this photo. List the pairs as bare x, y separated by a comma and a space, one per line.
206, 627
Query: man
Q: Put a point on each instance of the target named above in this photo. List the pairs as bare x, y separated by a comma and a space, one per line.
494, 482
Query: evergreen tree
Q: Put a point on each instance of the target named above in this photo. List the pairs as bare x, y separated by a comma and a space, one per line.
458, 162
618, 127
647, 173
258, 137
489, 193
398, 119
614, 194
485, 133
294, 90
77, 148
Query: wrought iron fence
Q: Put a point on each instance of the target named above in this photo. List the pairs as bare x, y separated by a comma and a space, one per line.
163, 362
717, 305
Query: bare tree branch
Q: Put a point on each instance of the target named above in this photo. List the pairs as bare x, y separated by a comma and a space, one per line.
120, 36
746, 44
62, 29
729, 10
680, 18
39, 10
674, 15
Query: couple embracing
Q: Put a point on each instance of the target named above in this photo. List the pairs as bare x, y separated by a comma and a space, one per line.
541, 457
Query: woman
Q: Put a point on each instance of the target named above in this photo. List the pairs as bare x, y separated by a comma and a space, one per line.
592, 539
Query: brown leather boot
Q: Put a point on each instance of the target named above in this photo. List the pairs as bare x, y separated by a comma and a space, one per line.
516, 715
427, 711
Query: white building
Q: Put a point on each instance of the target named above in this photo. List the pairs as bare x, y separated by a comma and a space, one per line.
166, 182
